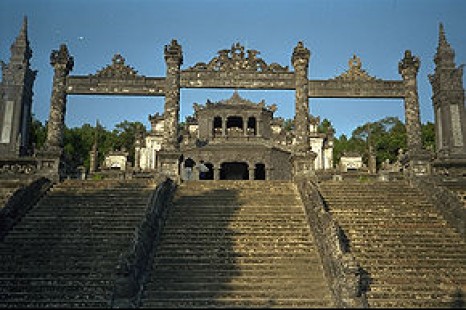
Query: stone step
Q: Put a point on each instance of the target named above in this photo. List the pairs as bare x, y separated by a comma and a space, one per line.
228, 302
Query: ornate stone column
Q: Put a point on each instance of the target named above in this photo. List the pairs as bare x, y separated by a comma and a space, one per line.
169, 153
408, 68
300, 61
302, 159
419, 159
62, 63
173, 59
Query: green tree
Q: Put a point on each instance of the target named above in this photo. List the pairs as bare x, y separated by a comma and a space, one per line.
126, 133
38, 133
428, 136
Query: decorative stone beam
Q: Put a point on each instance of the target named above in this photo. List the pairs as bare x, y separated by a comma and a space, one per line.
88, 85
356, 89
237, 79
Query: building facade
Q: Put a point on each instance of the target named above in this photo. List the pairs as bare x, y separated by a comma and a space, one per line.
237, 139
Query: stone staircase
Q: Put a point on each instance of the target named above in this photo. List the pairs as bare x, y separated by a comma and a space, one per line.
65, 250
237, 244
412, 257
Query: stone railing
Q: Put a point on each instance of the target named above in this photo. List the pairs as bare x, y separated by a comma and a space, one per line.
445, 201
344, 273
20, 202
131, 271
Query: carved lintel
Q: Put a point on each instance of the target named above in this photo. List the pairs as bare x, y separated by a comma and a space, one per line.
355, 72
235, 59
118, 69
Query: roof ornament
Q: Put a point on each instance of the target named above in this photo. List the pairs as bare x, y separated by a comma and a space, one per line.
355, 72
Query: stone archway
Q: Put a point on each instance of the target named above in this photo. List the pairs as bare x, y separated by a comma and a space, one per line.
234, 171
234, 69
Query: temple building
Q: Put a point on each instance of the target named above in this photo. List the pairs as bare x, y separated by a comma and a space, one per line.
237, 139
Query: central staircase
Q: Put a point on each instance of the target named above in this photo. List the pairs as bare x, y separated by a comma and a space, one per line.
237, 244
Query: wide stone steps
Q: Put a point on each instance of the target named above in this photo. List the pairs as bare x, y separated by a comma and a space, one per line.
65, 251
412, 256
236, 244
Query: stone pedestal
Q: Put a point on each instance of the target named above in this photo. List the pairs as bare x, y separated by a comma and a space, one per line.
168, 164
302, 165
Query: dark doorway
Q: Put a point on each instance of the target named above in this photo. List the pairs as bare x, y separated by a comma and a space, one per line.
234, 171
210, 174
259, 172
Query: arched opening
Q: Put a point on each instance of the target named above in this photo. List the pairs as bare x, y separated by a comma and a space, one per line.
235, 125
209, 175
234, 171
251, 126
259, 172
217, 126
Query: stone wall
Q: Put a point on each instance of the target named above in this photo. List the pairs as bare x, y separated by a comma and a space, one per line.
20, 203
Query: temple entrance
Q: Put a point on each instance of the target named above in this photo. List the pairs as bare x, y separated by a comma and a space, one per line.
234, 171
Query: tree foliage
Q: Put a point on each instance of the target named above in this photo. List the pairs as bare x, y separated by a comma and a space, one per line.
385, 137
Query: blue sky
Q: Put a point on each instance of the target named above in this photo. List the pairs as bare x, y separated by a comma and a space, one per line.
377, 31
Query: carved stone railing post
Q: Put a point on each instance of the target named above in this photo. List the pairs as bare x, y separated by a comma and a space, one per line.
302, 158
173, 59
62, 63
408, 68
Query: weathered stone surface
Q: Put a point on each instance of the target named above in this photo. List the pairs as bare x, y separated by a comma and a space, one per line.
62, 63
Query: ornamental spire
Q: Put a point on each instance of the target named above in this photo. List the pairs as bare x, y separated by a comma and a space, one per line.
20, 49
445, 54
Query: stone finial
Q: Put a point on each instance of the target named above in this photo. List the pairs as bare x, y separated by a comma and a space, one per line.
445, 54
409, 64
20, 49
300, 54
174, 52
62, 59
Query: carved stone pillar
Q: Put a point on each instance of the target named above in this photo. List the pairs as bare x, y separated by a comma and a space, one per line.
418, 157
300, 61
251, 172
224, 126
173, 59
408, 68
169, 153
302, 159
62, 63
216, 172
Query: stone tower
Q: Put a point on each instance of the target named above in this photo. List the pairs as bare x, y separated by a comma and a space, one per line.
449, 110
16, 98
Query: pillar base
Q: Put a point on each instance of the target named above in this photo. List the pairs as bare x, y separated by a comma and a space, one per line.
420, 163
168, 164
302, 165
